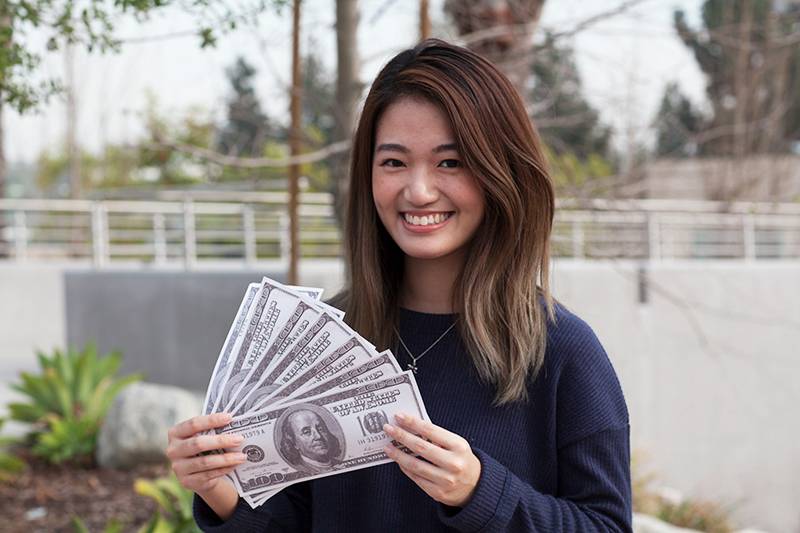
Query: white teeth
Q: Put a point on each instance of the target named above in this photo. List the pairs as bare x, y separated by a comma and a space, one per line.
426, 219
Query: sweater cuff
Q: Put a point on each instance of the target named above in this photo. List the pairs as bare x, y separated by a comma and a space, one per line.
489, 501
244, 518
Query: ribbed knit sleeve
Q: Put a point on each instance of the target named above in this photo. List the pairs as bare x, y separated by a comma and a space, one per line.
286, 512
591, 435
595, 495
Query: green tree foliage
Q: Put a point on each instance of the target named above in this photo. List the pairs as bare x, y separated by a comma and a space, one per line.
751, 58
578, 143
569, 122
677, 124
67, 401
91, 23
248, 127
152, 162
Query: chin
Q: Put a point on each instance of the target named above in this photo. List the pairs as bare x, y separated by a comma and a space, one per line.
426, 252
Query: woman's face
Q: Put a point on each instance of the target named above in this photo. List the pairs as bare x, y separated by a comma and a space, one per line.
429, 203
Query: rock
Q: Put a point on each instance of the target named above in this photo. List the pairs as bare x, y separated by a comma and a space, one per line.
135, 428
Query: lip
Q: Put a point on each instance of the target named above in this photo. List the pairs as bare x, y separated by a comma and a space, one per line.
424, 229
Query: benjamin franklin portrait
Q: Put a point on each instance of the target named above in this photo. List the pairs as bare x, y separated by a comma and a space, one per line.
310, 439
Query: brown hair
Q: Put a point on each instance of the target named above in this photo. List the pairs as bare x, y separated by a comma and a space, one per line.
502, 294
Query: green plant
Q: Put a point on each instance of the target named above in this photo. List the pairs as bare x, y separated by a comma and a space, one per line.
695, 514
174, 514
68, 400
9, 463
682, 512
79, 526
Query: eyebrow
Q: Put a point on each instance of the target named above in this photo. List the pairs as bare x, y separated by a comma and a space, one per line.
394, 147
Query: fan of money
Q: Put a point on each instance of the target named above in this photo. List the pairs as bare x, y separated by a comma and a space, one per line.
309, 394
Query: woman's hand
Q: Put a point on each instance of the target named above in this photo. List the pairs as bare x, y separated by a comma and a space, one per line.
451, 472
203, 474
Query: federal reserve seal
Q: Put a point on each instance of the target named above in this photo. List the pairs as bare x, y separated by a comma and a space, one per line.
254, 453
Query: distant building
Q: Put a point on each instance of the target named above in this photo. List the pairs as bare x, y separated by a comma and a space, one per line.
764, 178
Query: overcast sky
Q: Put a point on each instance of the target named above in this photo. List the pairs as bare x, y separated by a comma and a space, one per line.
625, 62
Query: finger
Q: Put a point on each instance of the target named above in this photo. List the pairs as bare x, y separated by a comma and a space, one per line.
430, 451
196, 424
202, 443
193, 465
431, 432
429, 487
410, 464
195, 480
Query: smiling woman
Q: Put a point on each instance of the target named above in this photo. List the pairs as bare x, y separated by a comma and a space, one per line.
426, 199
447, 232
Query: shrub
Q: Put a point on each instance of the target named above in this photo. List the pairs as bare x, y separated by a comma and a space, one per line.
79, 526
9, 463
673, 508
694, 514
174, 512
68, 400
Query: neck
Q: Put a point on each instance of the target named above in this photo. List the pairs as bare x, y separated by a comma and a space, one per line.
428, 283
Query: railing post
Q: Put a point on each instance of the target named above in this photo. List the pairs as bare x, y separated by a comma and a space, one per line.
249, 225
749, 237
100, 249
286, 245
20, 236
159, 239
577, 240
654, 237
189, 236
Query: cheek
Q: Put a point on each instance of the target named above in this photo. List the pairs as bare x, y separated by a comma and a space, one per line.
383, 193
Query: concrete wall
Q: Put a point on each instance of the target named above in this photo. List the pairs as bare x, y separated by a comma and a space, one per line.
706, 353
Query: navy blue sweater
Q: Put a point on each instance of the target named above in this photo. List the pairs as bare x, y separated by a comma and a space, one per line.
558, 462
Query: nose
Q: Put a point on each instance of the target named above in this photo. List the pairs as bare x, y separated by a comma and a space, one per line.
421, 188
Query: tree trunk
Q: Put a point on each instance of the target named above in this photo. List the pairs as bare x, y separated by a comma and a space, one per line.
424, 20
294, 148
510, 45
348, 91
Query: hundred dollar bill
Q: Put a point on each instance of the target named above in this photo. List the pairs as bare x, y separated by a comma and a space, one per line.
323, 337
303, 316
383, 366
271, 310
316, 437
311, 292
354, 351
352, 354
221, 367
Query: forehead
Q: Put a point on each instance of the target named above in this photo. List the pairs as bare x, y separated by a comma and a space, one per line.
303, 418
415, 123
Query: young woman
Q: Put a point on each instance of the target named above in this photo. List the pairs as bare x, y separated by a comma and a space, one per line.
448, 228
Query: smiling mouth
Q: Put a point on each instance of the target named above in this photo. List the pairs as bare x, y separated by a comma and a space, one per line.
426, 220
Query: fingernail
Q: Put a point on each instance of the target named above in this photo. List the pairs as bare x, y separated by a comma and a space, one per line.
388, 450
402, 417
241, 457
237, 439
387, 428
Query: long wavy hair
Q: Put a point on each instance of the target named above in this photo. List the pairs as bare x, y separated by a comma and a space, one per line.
502, 294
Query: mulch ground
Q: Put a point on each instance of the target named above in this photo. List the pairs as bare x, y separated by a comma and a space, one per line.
45, 498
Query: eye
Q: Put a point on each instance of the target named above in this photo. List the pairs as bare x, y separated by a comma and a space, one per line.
394, 163
450, 163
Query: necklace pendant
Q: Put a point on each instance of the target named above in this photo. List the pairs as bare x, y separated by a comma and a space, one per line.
413, 368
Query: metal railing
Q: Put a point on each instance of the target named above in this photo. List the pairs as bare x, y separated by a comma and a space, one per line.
188, 233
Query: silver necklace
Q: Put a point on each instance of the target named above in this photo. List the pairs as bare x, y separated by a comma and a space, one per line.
413, 364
